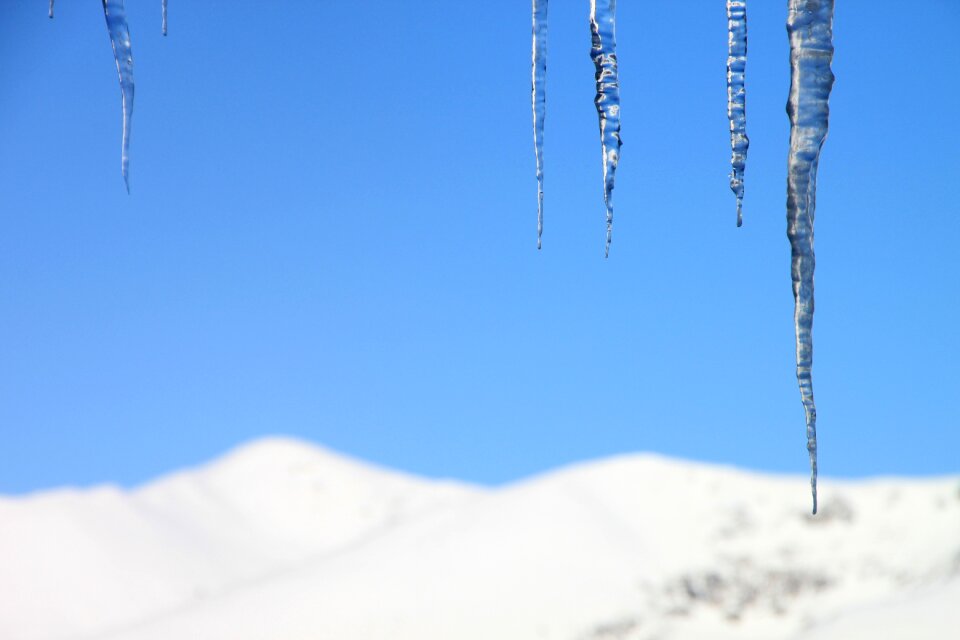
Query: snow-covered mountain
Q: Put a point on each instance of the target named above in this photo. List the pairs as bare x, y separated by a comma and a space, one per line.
283, 540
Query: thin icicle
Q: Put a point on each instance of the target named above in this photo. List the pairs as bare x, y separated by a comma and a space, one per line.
539, 98
810, 29
603, 18
114, 12
163, 11
737, 97
50, 10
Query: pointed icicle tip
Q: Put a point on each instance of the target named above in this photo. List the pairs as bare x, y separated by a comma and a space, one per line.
810, 31
603, 51
119, 31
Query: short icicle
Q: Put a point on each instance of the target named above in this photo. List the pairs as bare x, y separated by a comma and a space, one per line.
539, 98
119, 32
50, 10
737, 97
163, 13
810, 29
604, 53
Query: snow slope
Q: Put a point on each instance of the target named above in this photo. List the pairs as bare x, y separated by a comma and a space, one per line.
283, 540
73, 563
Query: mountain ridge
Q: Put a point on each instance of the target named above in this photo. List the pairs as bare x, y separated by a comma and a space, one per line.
283, 539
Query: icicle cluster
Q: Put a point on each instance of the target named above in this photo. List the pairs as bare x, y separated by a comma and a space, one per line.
810, 28
603, 51
737, 97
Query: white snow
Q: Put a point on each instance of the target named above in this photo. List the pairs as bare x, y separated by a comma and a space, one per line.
284, 540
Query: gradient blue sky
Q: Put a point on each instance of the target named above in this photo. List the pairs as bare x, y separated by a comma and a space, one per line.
332, 234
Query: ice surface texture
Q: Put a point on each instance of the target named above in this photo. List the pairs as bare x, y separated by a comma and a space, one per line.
603, 17
115, 14
603, 51
810, 29
539, 98
737, 97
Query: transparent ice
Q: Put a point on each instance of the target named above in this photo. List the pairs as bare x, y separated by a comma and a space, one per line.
115, 15
736, 97
603, 50
539, 98
810, 29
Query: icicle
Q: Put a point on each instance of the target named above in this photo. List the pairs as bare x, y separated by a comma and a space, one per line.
539, 97
50, 10
736, 97
810, 29
114, 12
604, 53
163, 11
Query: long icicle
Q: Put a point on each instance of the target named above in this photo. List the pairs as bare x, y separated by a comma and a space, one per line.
737, 97
603, 18
163, 12
810, 29
113, 11
539, 98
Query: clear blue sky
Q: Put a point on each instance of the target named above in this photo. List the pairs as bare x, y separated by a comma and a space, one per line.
332, 234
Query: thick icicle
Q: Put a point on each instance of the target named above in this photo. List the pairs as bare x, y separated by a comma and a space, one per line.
163, 12
810, 29
604, 53
116, 17
539, 99
737, 97
50, 10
